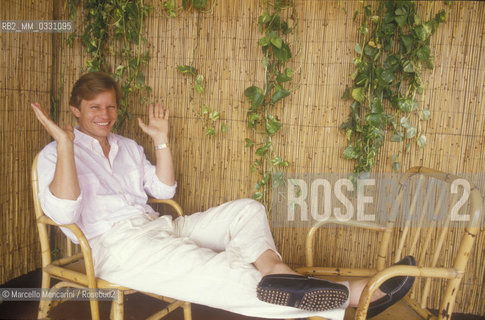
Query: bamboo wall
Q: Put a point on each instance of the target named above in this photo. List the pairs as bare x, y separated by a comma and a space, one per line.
25, 75
211, 170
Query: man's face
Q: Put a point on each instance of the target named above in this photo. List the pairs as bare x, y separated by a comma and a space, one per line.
97, 116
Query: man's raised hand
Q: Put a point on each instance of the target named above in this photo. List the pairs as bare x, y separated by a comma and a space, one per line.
60, 135
157, 127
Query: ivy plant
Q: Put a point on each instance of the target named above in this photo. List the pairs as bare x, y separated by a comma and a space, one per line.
209, 117
390, 58
171, 7
262, 115
115, 28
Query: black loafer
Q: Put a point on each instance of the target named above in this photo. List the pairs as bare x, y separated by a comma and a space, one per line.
395, 289
302, 292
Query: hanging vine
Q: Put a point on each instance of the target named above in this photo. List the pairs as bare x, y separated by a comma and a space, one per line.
391, 56
210, 118
115, 28
262, 115
172, 9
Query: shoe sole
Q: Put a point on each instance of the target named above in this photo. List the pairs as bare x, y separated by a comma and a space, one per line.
317, 300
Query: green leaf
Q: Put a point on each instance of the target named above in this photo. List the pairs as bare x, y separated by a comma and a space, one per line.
424, 115
205, 109
441, 16
408, 66
376, 119
264, 41
358, 94
223, 127
282, 77
370, 51
407, 105
422, 31
277, 42
421, 141
255, 95
278, 179
279, 94
187, 69
411, 132
346, 94
253, 119
424, 54
140, 78
276, 161
199, 88
408, 42
214, 115
358, 49
350, 152
210, 131
264, 18
257, 196
376, 106
249, 142
401, 20
272, 125
401, 11
396, 165
388, 76
263, 150
356, 13
284, 53
265, 61
404, 122
199, 4
397, 137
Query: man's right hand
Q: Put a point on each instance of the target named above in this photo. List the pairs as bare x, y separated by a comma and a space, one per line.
61, 136
65, 184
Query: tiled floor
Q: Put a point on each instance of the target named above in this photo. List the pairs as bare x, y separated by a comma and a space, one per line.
137, 306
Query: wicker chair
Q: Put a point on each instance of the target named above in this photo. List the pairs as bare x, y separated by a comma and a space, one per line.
76, 270
421, 237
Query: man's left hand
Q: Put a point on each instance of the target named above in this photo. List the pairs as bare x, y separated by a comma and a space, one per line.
157, 127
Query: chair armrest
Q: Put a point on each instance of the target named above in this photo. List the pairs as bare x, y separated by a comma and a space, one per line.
83, 242
399, 270
174, 204
352, 223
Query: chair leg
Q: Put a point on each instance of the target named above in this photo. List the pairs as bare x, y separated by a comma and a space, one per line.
187, 311
94, 309
117, 307
44, 304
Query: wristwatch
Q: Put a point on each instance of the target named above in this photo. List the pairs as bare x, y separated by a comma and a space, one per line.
161, 146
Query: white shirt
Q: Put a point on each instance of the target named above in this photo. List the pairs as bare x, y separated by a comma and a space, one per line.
111, 190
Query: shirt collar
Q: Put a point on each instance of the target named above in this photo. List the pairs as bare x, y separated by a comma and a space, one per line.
92, 143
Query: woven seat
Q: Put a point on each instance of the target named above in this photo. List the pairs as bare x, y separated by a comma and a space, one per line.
77, 271
430, 202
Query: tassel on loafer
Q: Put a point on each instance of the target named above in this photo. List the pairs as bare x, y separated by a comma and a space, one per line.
395, 289
302, 292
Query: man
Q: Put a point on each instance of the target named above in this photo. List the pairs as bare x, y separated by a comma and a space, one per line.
224, 257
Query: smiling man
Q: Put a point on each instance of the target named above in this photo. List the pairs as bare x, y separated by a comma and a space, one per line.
224, 257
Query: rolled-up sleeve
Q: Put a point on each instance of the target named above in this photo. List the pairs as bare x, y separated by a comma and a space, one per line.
152, 185
62, 211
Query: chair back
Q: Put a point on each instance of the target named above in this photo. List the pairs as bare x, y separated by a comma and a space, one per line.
437, 218
41, 227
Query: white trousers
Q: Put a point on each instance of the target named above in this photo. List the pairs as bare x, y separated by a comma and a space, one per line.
204, 258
